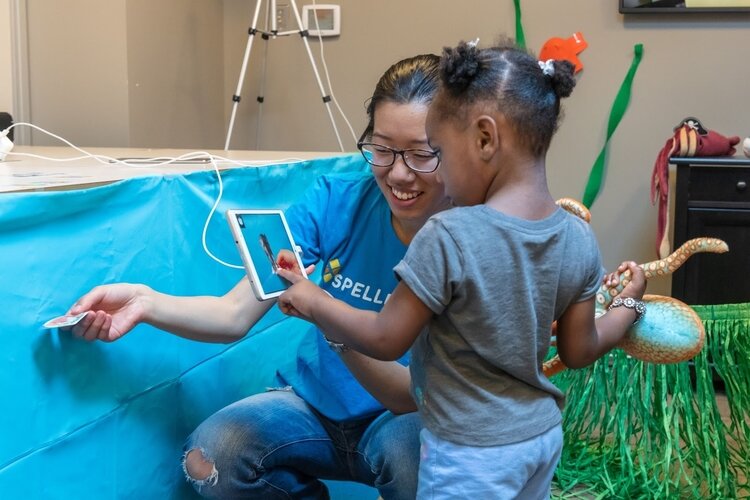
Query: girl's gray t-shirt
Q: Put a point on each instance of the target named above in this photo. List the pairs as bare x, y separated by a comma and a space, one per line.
495, 283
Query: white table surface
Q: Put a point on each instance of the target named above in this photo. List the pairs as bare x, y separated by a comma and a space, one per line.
37, 168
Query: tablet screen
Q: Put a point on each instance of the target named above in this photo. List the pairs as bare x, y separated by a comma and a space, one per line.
262, 236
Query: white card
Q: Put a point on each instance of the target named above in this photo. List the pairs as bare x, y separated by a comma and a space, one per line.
65, 320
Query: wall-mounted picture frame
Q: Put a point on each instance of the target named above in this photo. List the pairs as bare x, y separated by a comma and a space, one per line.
683, 6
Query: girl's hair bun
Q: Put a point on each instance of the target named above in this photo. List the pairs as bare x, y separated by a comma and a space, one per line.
563, 80
459, 66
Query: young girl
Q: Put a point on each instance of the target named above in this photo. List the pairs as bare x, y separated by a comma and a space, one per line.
488, 279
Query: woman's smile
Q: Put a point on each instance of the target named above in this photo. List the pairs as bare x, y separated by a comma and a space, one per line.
404, 195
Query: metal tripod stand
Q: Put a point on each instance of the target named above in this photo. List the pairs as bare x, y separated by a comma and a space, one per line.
252, 32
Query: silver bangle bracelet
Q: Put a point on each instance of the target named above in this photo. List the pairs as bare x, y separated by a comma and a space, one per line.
636, 305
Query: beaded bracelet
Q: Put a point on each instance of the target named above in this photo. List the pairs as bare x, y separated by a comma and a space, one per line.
636, 305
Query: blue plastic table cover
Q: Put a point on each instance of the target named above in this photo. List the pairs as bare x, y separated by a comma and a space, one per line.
108, 420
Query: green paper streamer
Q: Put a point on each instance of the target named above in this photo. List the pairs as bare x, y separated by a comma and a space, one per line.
520, 38
622, 99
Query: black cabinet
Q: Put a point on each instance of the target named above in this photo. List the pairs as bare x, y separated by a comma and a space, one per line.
712, 198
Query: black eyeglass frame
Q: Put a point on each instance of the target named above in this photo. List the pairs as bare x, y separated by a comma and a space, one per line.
397, 152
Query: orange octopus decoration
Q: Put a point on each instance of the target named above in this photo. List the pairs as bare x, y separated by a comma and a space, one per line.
670, 331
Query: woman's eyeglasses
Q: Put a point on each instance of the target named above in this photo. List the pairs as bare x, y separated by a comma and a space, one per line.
419, 160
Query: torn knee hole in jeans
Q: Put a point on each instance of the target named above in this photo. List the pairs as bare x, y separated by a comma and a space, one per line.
198, 469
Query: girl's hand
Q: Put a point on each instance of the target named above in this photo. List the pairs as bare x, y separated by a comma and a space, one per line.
303, 298
633, 278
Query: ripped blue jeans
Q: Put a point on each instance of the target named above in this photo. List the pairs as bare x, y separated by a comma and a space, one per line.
274, 446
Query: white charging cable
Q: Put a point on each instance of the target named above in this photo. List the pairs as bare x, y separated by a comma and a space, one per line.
155, 162
328, 78
6, 145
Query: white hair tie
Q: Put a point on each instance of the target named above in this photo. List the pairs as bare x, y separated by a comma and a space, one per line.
547, 67
473, 43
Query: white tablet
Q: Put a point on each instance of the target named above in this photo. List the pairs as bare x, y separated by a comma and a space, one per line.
265, 244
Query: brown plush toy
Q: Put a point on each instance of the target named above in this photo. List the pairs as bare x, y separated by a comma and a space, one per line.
690, 138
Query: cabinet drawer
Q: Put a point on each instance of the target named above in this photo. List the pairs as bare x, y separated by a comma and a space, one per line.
719, 184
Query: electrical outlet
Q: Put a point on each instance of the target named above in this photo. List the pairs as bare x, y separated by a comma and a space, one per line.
282, 16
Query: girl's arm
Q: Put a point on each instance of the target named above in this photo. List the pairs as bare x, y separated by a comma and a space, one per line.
581, 339
386, 335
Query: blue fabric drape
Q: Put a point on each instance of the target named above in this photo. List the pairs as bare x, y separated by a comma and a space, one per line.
96, 420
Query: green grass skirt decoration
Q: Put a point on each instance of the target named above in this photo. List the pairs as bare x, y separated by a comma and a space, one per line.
643, 431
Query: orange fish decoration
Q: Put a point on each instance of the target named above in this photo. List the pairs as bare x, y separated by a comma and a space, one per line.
564, 49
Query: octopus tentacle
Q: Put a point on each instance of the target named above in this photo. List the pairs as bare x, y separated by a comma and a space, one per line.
674, 260
662, 267
575, 207
553, 366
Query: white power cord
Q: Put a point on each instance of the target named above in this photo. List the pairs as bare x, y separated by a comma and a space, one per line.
328, 78
6, 145
141, 162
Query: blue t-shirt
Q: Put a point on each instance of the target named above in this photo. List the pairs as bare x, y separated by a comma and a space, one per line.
343, 224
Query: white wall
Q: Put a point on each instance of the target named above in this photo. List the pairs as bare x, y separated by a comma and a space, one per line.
6, 73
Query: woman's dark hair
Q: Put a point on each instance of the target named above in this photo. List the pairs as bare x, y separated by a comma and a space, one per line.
528, 95
412, 80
